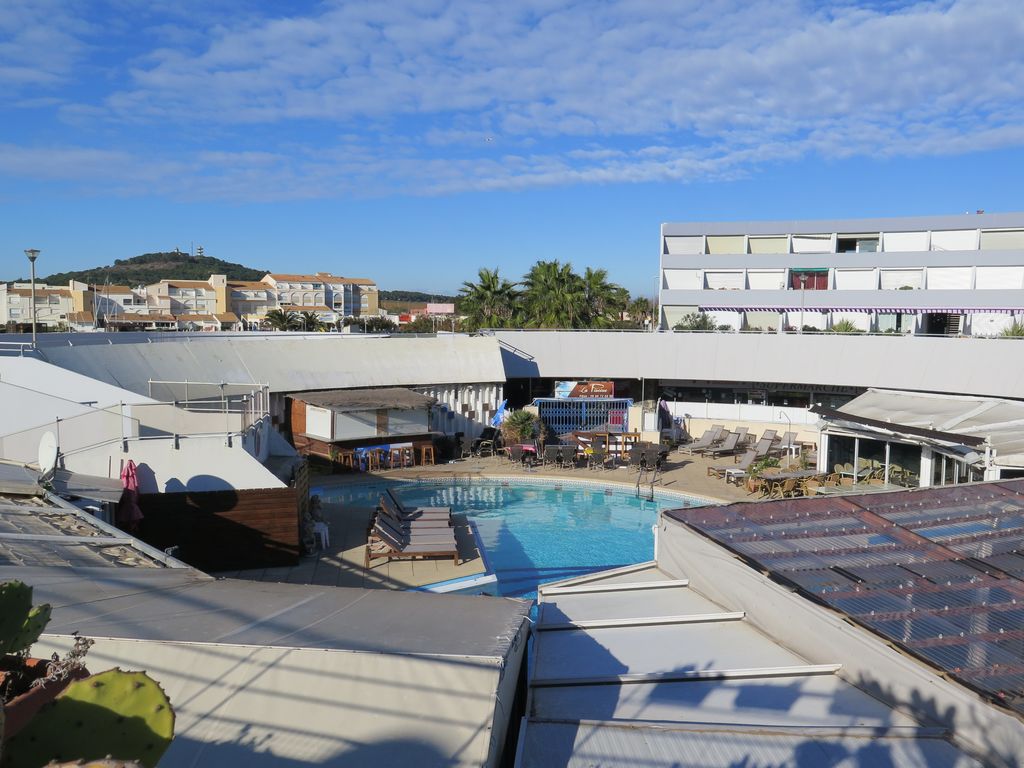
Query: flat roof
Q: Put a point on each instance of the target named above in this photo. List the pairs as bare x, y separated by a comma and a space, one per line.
192, 607
844, 226
392, 398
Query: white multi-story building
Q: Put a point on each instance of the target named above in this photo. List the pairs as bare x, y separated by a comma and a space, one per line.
333, 298
53, 305
250, 301
940, 275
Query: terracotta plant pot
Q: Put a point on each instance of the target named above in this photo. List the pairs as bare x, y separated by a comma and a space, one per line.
20, 710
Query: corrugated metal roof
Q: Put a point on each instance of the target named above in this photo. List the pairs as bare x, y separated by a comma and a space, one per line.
287, 362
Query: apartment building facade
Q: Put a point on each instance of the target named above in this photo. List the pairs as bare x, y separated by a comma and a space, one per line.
331, 297
193, 305
936, 275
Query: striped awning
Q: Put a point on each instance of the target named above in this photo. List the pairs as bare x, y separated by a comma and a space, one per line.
879, 310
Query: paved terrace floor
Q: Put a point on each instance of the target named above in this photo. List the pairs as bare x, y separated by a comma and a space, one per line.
341, 564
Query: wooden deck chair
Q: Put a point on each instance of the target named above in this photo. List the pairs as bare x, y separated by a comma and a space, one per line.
383, 542
403, 512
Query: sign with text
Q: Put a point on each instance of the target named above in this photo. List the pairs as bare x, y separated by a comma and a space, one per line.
567, 389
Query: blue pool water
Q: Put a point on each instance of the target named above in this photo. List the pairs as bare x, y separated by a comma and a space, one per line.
535, 533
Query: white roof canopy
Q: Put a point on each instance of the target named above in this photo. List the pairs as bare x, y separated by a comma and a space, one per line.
998, 422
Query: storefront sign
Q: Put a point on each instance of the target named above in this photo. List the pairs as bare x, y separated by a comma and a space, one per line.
567, 389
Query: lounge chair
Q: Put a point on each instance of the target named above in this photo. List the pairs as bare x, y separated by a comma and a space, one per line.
736, 470
414, 513
705, 441
552, 455
433, 535
416, 521
763, 446
567, 456
729, 445
743, 432
635, 455
385, 542
769, 434
598, 456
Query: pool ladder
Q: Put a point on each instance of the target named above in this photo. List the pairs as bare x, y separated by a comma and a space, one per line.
653, 479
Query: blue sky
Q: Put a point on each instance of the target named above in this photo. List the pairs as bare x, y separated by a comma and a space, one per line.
415, 141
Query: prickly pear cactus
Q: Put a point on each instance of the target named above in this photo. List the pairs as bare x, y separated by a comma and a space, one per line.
115, 714
20, 622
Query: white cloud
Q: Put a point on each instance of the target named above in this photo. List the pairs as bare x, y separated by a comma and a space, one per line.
437, 96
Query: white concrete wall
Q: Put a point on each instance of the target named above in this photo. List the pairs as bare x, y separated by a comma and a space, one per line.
198, 464
993, 367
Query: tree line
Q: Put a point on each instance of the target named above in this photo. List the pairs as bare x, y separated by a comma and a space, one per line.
550, 295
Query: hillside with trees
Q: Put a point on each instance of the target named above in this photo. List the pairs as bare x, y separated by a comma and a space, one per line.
152, 267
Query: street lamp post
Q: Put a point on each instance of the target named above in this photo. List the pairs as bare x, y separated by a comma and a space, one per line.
803, 282
32, 254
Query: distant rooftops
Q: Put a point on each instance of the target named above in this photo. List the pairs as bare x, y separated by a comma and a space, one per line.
319, 277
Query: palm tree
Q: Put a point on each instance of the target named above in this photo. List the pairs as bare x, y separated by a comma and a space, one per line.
553, 296
280, 320
489, 303
310, 321
640, 309
603, 301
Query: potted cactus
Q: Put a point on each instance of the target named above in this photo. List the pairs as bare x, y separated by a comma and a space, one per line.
54, 710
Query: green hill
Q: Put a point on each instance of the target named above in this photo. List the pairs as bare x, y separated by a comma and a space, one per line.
152, 267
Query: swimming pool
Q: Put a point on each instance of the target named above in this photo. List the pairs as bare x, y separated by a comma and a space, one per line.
533, 533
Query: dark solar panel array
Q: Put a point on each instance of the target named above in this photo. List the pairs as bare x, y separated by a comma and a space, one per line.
938, 571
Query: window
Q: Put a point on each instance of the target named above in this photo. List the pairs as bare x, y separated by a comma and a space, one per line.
857, 243
808, 279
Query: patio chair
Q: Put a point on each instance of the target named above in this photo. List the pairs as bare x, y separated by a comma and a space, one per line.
635, 455
518, 455
781, 489
384, 542
736, 470
597, 457
484, 445
414, 513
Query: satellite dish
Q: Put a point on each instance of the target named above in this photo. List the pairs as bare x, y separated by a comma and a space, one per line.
47, 454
